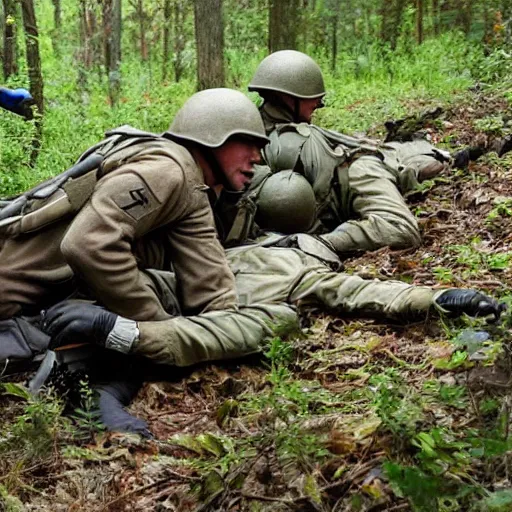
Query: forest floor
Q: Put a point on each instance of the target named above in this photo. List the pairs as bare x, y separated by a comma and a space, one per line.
357, 415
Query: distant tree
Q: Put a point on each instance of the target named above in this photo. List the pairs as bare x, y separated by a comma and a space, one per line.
33, 57
284, 21
142, 19
166, 37
335, 15
10, 61
34, 71
210, 43
419, 21
57, 22
180, 14
436, 22
112, 34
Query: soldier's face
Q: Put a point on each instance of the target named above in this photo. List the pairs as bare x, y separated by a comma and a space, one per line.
237, 157
307, 107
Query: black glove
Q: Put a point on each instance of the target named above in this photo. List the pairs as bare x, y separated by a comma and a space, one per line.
114, 396
471, 302
71, 322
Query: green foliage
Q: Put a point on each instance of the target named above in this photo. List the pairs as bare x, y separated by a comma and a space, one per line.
423, 489
9, 503
502, 208
87, 416
499, 501
395, 403
38, 427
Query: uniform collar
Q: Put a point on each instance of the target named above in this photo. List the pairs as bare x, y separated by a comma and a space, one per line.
274, 114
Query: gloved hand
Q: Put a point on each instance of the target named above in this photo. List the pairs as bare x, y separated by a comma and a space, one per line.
471, 302
114, 396
72, 321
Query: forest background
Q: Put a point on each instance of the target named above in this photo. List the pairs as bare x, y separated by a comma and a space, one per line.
102, 64
359, 415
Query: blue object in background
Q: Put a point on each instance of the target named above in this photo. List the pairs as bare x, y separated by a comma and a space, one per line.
14, 100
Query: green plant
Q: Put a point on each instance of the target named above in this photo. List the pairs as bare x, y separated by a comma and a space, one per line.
38, 428
87, 416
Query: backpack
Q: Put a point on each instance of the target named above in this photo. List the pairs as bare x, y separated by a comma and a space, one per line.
65, 194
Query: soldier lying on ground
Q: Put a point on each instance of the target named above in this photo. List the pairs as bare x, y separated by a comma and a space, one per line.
142, 204
359, 183
270, 280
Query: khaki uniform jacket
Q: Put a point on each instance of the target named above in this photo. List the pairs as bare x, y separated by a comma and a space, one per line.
359, 184
149, 210
269, 281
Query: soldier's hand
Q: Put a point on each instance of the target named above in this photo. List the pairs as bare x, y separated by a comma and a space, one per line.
471, 302
71, 322
114, 396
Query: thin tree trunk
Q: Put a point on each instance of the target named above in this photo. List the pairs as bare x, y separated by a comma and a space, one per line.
210, 43
167, 27
436, 17
384, 29
34, 71
283, 22
142, 30
334, 41
10, 62
397, 22
419, 21
57, 22
179, 37
112, 33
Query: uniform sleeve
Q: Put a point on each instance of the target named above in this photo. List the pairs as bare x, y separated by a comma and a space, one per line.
205, 281
98, 246
383, 216
216, 335
346, 293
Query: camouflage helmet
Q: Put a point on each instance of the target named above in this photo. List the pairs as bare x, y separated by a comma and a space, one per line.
211, 116
291, 72
286, 203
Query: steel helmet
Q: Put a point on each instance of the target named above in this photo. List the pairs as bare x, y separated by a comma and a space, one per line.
211, 116
290, 72
286, 203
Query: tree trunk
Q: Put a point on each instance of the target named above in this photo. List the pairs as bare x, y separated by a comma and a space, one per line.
57, 22
334, 41
436, 17
34, 71
33, 57
179, 37
210, 43
112, 33
397, 22
10, 62
283, 22
384, 25
464, 15
419, 21
167, 29
141, 14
